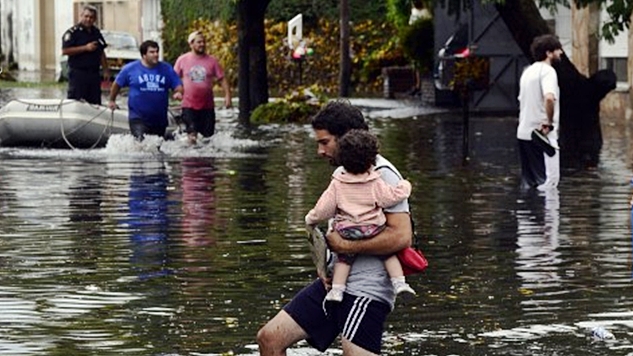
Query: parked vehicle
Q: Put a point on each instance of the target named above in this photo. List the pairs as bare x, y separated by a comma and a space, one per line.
456, 47
122, 49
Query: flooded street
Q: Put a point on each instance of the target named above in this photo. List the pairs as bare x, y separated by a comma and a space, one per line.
166, 249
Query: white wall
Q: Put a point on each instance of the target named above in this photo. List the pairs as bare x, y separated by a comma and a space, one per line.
562, 20
8, 20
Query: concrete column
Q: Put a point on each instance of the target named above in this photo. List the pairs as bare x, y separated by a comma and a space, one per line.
585, 38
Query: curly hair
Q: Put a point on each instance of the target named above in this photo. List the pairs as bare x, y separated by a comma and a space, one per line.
543, 44
357, 151
338, 117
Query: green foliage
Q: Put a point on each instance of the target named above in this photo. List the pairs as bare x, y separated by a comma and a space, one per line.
292, 109
620, 14
373, 46
179, 14
314, 10
398, 12
372, 53
418, 43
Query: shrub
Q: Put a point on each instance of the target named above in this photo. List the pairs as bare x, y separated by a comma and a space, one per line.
418, 43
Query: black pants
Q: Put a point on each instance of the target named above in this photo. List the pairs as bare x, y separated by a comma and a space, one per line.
84, 84
532, 164
139, 129
199, 121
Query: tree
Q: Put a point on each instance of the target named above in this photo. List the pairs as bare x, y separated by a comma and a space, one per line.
252, 72
345, 73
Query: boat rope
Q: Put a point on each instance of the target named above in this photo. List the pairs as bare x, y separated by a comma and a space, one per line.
65, 134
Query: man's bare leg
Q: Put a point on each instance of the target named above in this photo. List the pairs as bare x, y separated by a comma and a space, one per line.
278, 335
349, 349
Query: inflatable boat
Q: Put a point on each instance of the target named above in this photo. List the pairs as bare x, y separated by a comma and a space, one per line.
59, 123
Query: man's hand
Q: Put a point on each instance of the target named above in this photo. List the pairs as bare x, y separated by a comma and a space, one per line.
337, 243
112, 105
327, 281
92, 46
106, 75
227, 102
546, 128
177, 96
396, 236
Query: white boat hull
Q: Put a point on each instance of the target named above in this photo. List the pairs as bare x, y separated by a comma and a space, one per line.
59, 123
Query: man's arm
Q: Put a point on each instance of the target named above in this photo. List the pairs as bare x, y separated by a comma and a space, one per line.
105, 66
550, 101
114, 91
396, 236
178, 91
89, 47
227, 93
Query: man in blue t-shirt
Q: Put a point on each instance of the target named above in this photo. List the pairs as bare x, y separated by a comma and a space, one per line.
149, 81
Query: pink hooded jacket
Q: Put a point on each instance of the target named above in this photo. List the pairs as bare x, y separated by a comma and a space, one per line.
357, 199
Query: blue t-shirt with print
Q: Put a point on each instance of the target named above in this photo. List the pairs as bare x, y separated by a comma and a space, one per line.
149, 91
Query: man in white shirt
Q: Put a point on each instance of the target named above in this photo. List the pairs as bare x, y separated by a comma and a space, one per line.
539, 99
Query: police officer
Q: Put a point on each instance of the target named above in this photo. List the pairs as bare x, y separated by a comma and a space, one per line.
84, 45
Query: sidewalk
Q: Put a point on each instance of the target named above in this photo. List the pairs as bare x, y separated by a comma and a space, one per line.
377, 108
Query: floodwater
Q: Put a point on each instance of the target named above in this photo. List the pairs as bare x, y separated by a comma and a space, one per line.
166, 249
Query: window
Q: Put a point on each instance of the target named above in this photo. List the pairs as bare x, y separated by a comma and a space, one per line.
617, 65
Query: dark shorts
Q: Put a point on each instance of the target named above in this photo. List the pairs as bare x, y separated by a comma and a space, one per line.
200, 121
358, 319
84, 84
532, 164
139, 129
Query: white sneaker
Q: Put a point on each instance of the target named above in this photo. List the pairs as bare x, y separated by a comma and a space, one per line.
403, 287
334, 295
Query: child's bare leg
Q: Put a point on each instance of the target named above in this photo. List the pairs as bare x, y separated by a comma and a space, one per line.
394, 268
339, 279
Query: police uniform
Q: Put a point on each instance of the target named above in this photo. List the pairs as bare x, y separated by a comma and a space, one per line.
84, 79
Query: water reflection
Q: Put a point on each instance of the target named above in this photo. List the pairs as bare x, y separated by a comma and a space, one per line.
538, 254
148, 219
198, 201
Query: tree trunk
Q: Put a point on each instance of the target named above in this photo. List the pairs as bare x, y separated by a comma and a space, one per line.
345, 73
580, 134
252, 73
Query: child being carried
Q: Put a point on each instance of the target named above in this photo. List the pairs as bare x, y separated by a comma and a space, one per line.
355, 199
